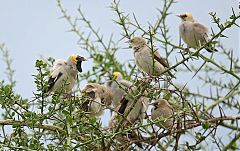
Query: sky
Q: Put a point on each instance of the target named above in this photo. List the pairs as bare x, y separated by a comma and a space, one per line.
30, 29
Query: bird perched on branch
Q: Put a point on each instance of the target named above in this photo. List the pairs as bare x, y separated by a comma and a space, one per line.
162, 109
119, 87
148, 59
64, 73
193, 33
138, 109
98, 96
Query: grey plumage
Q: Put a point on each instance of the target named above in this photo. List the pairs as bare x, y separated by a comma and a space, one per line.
136, 114
98, 97
193, 33
118, 87
163, 109
148, 60
63, 74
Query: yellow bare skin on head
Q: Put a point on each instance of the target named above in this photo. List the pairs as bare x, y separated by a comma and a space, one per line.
115, 74
74, 58
188, 16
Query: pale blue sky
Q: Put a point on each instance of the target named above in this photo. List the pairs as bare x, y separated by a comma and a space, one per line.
33, 28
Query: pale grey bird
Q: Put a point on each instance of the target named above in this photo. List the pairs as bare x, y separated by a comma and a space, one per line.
148, 60
119, 87
98, 97
193, 33
162, 109
137, 113
64, 73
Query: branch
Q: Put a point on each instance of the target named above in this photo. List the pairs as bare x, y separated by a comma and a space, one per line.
230, 145
23, 123
9, 71
188, 126
231, 93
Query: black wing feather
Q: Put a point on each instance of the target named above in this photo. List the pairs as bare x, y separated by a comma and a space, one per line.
52, 81
123, 106
161, 61
85, 105
164, 63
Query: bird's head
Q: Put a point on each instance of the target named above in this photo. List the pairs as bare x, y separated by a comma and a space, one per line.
160, 103
78, 60
186, 17
137, 41
116, 75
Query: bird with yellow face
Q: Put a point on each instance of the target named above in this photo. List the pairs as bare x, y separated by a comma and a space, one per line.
64, 73
119, 87
193, 33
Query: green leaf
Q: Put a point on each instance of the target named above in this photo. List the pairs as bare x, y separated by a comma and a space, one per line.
69, 119
65, 112
206, 125
93, 120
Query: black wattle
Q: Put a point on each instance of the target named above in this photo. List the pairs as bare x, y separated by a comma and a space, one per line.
79, 66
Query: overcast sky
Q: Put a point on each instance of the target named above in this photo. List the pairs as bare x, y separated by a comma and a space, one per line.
33, 28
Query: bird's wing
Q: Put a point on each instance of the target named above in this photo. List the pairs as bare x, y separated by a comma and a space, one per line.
123, 105
200, 29
160, 59
52, 80
58, 64
56, 73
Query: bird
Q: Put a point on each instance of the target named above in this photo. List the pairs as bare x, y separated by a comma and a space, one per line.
193, 33
119, 87
162, 109
148, 60
137, 113
98, 96
64, 73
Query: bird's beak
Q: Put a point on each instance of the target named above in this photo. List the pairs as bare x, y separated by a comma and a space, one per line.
179, 15
182, 16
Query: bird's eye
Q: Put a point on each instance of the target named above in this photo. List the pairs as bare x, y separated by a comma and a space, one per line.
185, 16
